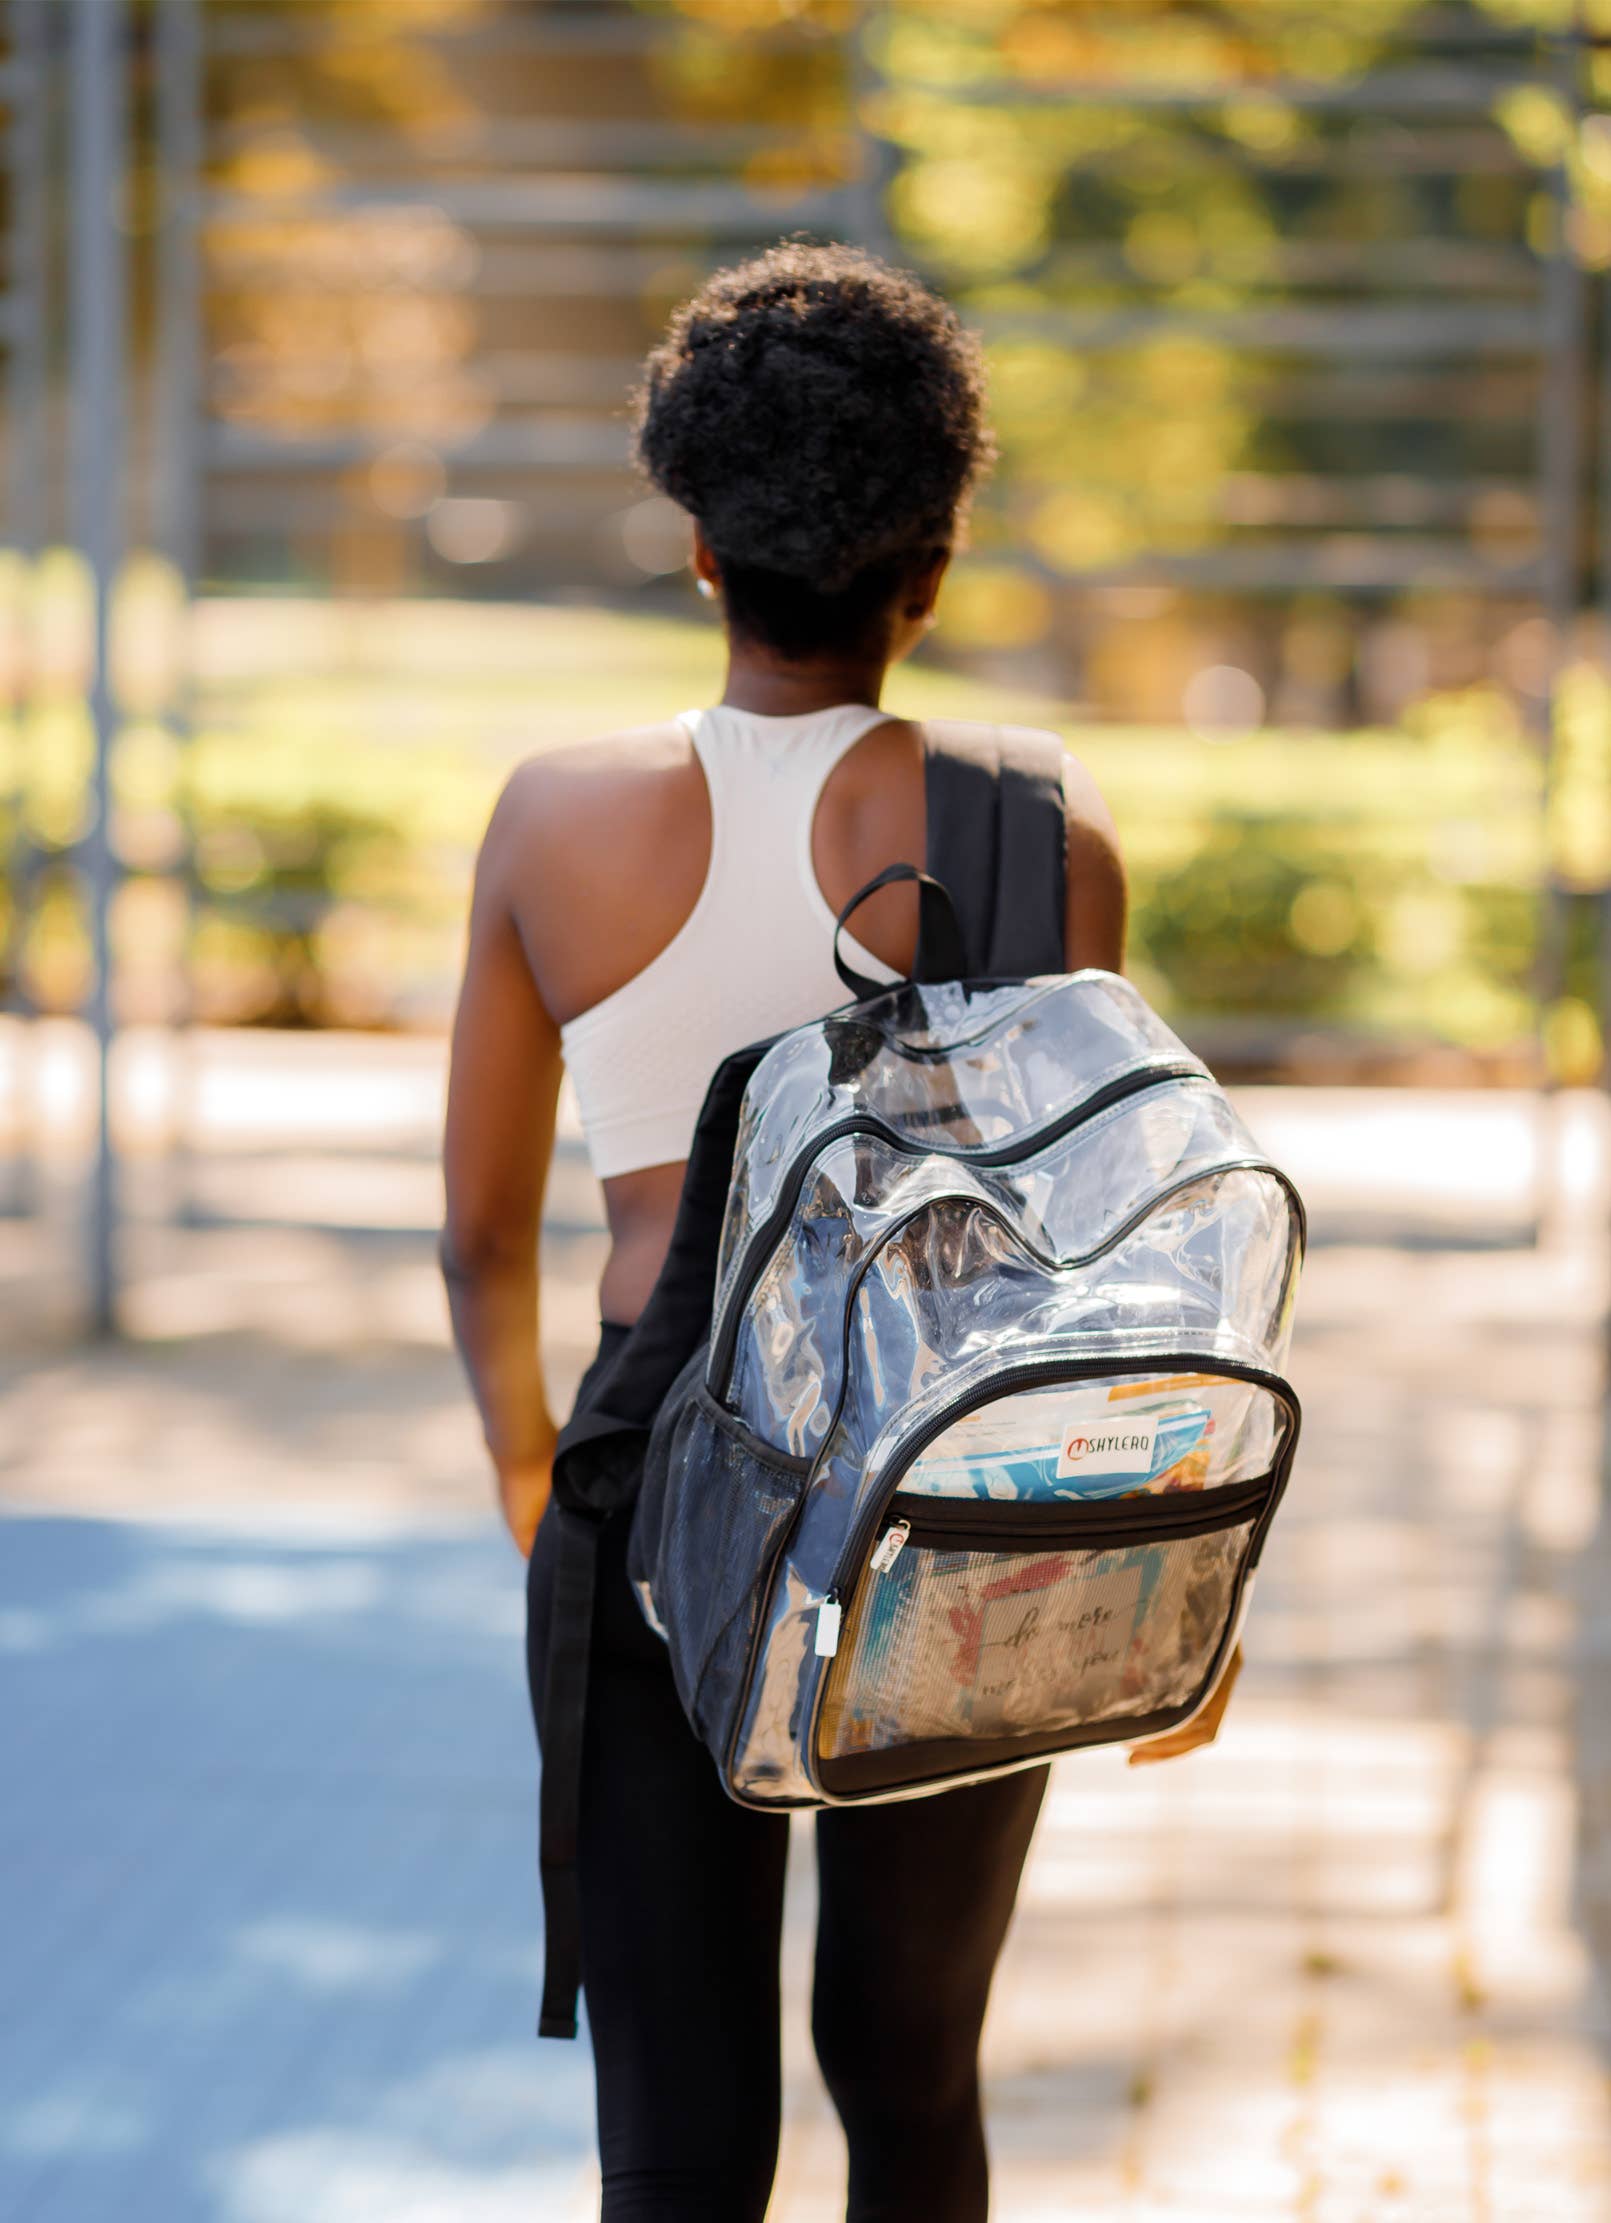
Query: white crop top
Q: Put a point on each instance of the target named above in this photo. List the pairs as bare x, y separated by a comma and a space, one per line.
753, 956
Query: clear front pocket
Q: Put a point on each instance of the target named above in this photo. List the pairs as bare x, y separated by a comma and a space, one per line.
1115, 1438
979, 1633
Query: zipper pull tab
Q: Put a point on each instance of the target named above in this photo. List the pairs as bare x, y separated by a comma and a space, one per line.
889, 1547
828, 1626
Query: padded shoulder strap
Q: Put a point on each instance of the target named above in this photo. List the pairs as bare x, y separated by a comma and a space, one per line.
997, 840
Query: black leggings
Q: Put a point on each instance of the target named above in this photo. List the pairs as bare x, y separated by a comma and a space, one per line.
682, 1903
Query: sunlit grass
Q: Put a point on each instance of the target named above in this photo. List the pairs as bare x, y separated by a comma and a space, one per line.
345, 757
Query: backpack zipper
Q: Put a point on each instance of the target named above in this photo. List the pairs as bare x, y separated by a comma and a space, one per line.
1025, 1376
765, 1238
1100, 1524
980, 1525
890, 1547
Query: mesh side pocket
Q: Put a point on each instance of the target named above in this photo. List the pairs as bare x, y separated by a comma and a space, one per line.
990, 1645
716, 1502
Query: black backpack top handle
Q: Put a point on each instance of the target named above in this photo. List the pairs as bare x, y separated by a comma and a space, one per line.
942, 952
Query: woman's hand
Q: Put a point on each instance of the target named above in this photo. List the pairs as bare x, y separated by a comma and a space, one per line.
1202, 1730
523, 1492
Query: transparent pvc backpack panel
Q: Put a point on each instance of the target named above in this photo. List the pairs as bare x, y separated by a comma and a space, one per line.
1069, 1200
1008, 1634
956, 1291
1214, 1257
1071, 1443
949, 1646
957, 1067
954, 1303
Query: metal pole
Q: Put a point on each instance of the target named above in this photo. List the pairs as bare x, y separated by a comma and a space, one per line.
98, 326
878, 158
1560, 467
178, 321
1601, 557
176, 522
25, 295
27, 491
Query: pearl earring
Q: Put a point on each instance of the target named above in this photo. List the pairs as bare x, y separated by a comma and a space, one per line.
706, 589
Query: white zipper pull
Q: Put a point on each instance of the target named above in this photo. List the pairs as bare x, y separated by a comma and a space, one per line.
889, 1547
828, 1626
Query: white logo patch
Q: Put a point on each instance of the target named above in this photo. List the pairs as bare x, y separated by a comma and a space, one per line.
1107, 1447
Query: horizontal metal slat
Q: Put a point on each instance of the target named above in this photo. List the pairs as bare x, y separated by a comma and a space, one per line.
625, 142
1431, 89
1358, 329
584, 205
1342, 562
595, 28
561, 438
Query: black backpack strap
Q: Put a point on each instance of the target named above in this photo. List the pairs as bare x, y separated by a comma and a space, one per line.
598, 1462
565, 1674
997, 841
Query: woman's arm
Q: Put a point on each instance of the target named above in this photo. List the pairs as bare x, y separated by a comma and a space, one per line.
1098, 899
503, 1091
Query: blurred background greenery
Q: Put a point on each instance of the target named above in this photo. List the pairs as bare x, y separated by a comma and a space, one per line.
1295, 314
1291, 309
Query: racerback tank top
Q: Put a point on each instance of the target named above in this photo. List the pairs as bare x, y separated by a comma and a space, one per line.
753, 956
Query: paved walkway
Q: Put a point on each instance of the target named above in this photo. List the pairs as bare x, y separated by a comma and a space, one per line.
266, 1889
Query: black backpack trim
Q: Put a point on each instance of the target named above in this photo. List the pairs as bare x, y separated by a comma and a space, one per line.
996, 841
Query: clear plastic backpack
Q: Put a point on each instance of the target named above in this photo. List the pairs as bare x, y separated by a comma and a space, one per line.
980, 1455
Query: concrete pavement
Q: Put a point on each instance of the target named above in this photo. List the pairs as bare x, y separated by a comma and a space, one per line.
267, 1843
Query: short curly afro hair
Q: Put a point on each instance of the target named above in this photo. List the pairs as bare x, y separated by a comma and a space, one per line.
821, 415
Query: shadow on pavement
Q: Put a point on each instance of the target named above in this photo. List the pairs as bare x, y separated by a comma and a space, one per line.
269, 1881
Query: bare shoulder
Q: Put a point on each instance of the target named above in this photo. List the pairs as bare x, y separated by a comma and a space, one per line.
589, 841
552, 799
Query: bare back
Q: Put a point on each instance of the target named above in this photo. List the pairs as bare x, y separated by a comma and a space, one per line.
599, 853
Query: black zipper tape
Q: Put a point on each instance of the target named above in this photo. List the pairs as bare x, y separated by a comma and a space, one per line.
1026, 1376
1106, 1524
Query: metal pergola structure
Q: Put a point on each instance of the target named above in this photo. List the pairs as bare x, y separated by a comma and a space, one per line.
588, 207
82, 76
23, 316
1406, 359
157, 449
66, 86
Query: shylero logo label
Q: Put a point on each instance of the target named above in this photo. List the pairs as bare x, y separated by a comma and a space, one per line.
1088, 1450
